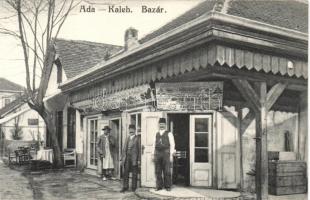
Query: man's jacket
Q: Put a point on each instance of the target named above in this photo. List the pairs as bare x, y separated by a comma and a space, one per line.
135, 150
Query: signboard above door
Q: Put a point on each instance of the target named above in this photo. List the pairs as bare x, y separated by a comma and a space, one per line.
123, 100
189, 96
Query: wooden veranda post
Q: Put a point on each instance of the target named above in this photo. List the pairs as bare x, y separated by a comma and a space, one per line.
260, 102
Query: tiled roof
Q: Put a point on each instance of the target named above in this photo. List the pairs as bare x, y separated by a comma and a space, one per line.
290, 14
9, 85
192, 14
285, 13
78, 56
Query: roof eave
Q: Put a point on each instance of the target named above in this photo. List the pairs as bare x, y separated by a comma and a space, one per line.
239, 21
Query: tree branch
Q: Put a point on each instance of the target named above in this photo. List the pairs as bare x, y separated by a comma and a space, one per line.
9, 32
21, 32
35, 47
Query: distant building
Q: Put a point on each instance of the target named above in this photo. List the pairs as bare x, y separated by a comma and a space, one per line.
19, 122
9, 91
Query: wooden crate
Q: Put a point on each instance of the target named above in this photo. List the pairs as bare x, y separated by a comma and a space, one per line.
287, 177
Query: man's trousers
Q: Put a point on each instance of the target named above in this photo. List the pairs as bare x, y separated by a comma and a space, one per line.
162, 167
134, 169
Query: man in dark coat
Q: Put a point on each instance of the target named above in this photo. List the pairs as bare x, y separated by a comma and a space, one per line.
105, 151
163, 152
130, 157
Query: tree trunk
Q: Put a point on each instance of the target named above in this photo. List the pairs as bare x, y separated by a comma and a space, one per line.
50, 125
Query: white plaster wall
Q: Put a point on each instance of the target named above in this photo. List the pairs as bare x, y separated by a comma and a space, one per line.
26, 129
303, 128
52, 87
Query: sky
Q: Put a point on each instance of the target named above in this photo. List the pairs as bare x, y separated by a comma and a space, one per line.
99, 26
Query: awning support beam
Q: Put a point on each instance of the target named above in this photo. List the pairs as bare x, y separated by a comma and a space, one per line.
261, 102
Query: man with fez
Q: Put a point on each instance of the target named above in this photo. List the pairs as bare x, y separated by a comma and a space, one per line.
163, 154
130, 157
105, 149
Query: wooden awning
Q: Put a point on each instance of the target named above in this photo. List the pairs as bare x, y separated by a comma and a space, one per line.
196, 59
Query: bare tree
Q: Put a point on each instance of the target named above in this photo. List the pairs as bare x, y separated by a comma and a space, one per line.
38, 25
17, 130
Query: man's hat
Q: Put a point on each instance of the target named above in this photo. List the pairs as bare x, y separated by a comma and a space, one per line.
132, 126
106, 128
162, 120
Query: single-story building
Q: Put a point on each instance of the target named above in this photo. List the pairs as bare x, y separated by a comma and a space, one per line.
229, 76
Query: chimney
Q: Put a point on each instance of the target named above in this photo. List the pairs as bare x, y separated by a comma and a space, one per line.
131, 38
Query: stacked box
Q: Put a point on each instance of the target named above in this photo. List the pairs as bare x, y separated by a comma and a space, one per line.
287, 177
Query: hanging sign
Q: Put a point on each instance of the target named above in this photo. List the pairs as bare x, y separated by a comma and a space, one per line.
189, 96
123, 100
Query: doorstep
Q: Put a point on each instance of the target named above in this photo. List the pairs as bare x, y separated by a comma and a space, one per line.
178, 192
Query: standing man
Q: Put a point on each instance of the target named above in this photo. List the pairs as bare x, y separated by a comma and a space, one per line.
163, 152
130, 157
105, 148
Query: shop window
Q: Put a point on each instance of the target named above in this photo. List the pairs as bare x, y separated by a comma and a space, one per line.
71, 128
93, 137
201, 140
136, 120
59, 127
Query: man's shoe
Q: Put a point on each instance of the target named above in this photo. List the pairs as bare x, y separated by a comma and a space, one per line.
157, 189
104, 178
168, 189
123, 190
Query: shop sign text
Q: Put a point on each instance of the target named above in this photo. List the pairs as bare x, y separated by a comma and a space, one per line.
189, 96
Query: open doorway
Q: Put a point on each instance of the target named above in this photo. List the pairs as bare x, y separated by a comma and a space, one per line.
115, 126
179, 126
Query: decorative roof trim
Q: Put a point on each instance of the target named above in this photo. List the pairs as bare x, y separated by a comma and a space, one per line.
209, 16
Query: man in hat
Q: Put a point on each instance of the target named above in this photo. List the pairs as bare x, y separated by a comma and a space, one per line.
130, 157
163, 151
105, 148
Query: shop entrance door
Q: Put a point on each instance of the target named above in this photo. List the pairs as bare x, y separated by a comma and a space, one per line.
149, 127
91, 143
200, 150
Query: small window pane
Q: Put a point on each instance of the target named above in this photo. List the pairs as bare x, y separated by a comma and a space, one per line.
201, 140
201, 155
91, 149
201, 125
139, 122
92, 136
91, 161
91, 125
133, 119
